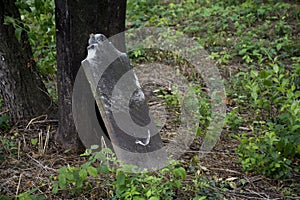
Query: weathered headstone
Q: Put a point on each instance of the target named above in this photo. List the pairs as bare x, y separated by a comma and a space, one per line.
122, 105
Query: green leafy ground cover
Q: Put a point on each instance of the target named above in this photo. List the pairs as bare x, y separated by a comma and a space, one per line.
256, 47
257, 44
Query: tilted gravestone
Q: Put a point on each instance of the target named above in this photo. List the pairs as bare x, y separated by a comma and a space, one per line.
107, 77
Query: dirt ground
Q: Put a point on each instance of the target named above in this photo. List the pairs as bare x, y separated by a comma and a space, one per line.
29, 165
30, 159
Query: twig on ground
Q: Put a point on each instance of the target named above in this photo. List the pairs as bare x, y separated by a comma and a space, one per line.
254, 179
260, 194
45, 121
18, 187
40, 144
226, 170
40, 164
47, 139
244, 128
245, 195
206, 152
32, 120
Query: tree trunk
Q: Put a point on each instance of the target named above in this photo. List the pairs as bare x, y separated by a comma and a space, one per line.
21, 88
75, 21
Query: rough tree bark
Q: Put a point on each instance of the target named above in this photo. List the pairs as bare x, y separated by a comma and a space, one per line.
21, 88
75, 21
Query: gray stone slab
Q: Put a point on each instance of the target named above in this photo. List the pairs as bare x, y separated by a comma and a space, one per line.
122, 105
